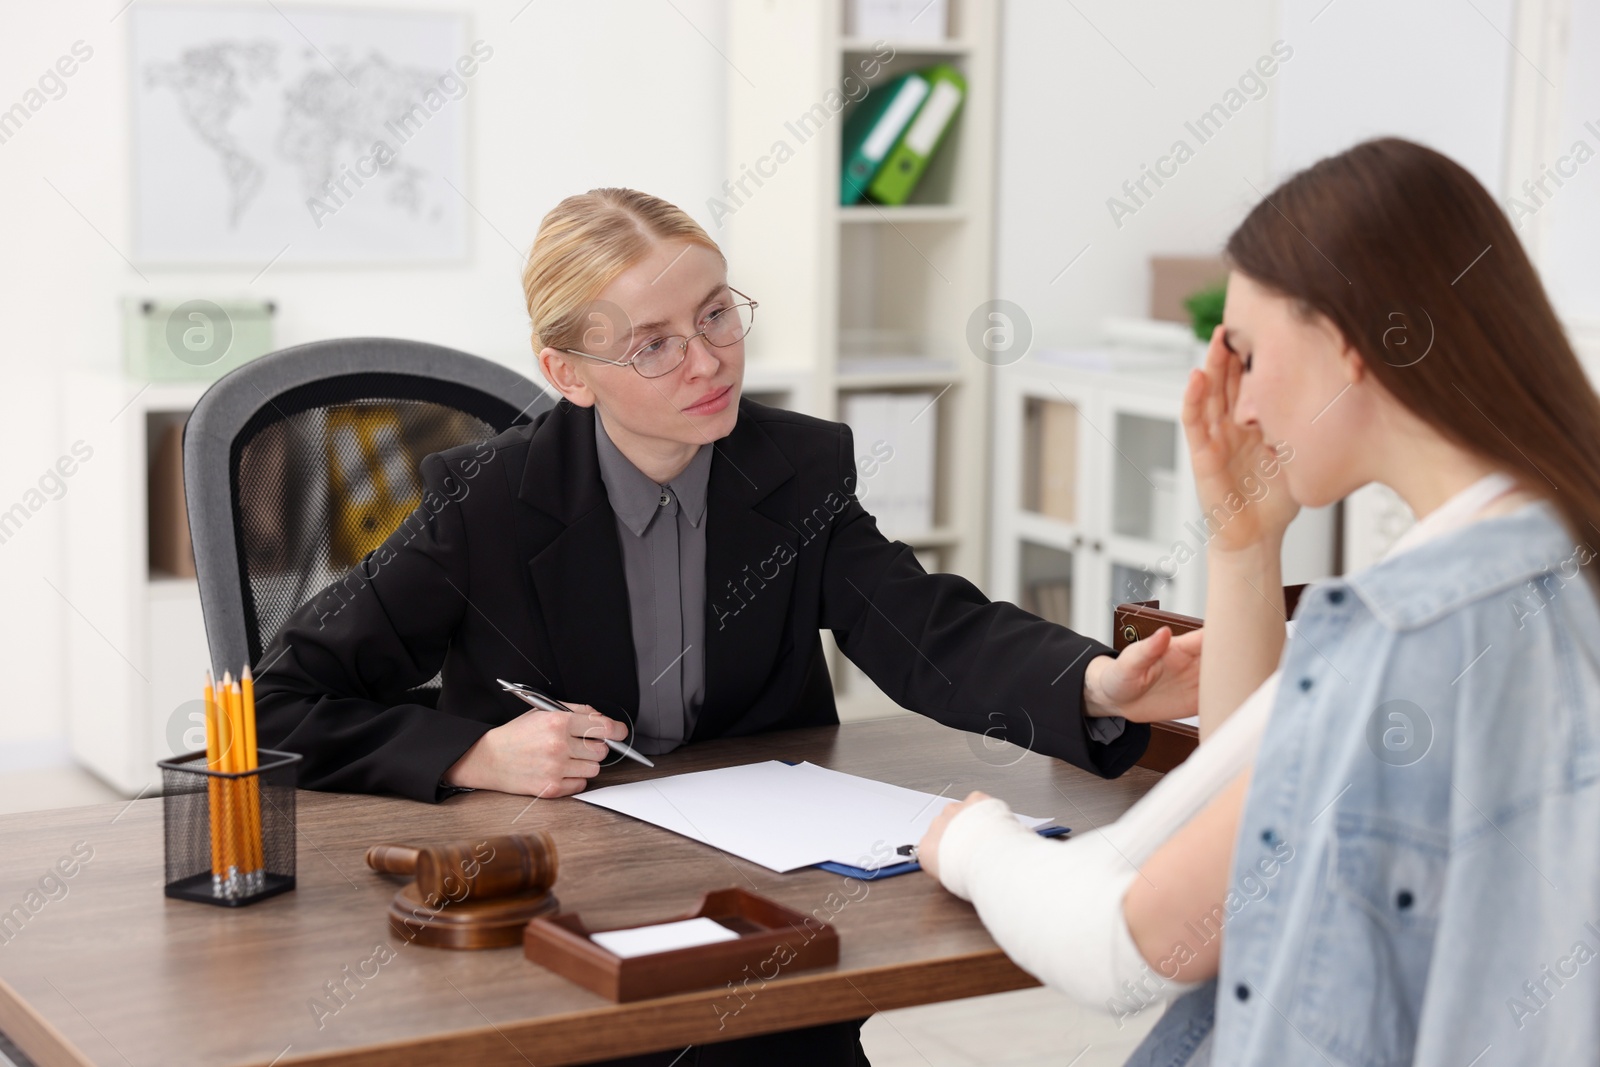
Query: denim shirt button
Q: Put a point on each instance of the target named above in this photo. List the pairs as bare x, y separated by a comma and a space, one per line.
1241, 991
1404, 899
1336, 596
1305, 684
1269, 836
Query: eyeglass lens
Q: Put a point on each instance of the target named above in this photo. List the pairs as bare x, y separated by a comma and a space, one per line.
662, 355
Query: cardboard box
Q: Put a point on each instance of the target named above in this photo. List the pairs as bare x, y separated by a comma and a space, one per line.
1173, 279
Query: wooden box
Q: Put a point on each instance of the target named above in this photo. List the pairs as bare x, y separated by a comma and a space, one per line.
772, 940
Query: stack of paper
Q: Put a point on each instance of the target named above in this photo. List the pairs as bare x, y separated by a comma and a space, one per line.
785, 817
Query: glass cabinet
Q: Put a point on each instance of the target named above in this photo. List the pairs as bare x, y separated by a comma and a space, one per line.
1093, 500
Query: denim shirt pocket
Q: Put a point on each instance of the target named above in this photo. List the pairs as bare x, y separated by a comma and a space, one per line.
1372, 929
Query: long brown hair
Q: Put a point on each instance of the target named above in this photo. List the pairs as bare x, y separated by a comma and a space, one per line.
1421, 271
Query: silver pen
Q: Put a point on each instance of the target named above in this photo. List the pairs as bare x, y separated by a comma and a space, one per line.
545, 702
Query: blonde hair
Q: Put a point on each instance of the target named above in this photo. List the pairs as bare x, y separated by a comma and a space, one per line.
583, 244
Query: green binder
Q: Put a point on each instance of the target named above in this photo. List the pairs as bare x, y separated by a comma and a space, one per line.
874, 127
907, 161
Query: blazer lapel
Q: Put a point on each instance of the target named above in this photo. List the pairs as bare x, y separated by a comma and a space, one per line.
577, 574
748, 586
582, 589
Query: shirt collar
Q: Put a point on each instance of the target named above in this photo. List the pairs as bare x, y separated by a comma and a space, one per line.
636, 497
1484, 557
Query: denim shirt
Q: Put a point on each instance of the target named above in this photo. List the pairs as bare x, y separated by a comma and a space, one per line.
1430, 783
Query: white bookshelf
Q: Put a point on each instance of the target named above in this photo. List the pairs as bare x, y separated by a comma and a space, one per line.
778, 386
868, 298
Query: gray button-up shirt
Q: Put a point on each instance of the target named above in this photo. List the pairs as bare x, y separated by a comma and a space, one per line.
663, 534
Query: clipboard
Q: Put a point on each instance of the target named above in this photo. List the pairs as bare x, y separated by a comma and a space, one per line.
866, 875
912, 865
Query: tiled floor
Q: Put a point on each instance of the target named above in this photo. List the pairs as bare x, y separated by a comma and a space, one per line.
1032, 1028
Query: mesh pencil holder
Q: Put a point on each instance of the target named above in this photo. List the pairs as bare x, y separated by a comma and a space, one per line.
251, 855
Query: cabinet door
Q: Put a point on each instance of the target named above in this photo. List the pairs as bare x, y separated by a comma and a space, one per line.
1045, 466
1150, 549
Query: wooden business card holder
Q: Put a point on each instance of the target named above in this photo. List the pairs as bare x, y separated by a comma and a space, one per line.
773, 940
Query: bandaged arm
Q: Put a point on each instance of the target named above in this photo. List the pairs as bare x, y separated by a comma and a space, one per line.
1056, 908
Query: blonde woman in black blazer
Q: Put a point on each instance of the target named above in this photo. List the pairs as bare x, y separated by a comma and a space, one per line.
515, 568
662, 555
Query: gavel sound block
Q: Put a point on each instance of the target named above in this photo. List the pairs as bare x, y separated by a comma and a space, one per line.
472, 893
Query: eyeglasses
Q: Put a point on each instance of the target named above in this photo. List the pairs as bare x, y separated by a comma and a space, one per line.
663, 355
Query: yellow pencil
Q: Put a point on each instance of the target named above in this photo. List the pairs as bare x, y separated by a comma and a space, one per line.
241, 814
214, 787
226, 739
253, 784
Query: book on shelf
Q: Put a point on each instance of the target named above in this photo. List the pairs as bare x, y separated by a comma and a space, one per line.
1050, 459
874, 128
908, 160
895, 442
892, 136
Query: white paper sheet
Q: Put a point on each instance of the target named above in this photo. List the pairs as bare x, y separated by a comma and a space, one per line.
663, 937
784, 817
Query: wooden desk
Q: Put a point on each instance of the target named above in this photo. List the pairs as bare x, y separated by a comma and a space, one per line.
115, 973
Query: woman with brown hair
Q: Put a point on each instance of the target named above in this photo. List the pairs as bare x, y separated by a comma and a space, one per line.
1403, 839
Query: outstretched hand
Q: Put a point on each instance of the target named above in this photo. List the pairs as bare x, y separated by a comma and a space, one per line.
1153, 679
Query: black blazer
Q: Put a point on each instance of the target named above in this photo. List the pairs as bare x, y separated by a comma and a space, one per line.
512, 568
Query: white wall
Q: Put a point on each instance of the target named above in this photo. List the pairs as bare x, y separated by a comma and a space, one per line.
1091, 92
1571, 252
1433, 71
578, 93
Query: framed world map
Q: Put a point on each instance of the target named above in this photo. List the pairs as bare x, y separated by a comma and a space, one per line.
281, 134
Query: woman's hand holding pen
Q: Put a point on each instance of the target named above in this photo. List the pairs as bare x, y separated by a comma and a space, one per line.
539, 753
1236, 473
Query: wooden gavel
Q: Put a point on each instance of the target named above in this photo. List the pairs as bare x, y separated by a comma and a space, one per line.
489, 868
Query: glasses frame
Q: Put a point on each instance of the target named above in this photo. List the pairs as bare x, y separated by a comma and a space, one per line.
683, 346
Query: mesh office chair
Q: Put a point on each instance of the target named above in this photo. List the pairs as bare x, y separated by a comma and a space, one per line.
298, 463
